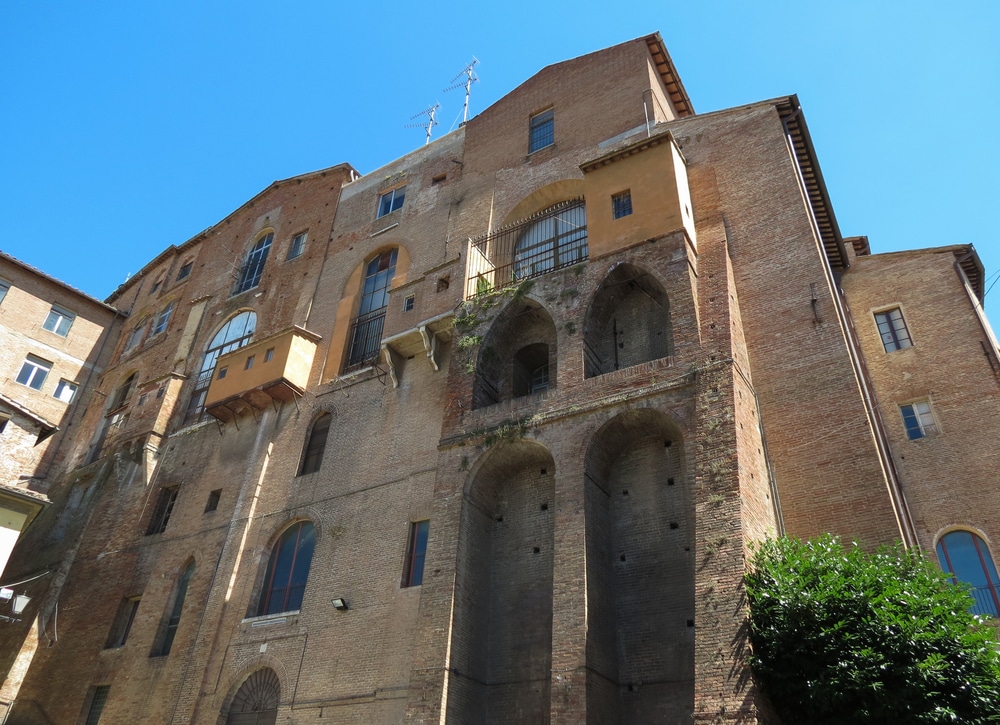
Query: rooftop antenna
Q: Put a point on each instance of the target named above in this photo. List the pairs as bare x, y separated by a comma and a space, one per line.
470, 78
431, 123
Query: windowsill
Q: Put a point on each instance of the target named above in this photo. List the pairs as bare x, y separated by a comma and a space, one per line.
247, 291
385, 229
268, 620
534, 154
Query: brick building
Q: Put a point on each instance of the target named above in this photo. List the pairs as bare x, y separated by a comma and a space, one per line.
484, 436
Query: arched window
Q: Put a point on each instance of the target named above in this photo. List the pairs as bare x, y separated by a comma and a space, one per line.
172, 617
966, 557
558, 239
312, 455
366, 334
256, 702
237, 332
287, 570
253, 265
531, 369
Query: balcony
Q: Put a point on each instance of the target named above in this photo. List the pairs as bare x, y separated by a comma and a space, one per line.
552, 239
265, 373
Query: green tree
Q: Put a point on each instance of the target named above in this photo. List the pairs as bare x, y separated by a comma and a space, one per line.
843, 636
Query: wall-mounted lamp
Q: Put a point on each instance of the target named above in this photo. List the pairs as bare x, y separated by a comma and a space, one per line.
20, 602
340, 604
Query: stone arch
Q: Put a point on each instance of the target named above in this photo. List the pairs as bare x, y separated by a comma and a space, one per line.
639, 508
262, 681
502, 651
517, 356
627, 322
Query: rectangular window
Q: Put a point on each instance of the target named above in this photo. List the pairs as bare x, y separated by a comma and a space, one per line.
213, 500
156, 284
391, 201
33, 372
123, 623
621, 204
298, 246
96, 699
407, 303
135, 336
918, 419
892, 328
222, 372
164, 507
269, 354
59, 320
249, 362
162, 319
542, 131
4, 286
416, 549
184, 271
65, 391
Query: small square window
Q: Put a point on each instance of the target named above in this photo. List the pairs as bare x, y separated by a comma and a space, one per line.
269, 354
298, 246
122, 625
918, 419
416, 550
222, 373
408, 303
892, 329
162, 319
59, 321
33, 372
541, 132
443, 283
141, 401
621, 204
391, 201
4, 286
249, 363
164, 507
184, 271
65, 391
213, 500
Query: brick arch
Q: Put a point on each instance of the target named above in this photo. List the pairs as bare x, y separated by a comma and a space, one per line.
502, 365
241, 670
544, 197
503, 620
640, 519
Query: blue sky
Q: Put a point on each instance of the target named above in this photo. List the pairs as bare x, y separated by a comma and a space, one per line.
130, 126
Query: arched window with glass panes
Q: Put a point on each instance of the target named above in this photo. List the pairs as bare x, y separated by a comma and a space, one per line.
967, 558
287, 570
234, 334
366, 333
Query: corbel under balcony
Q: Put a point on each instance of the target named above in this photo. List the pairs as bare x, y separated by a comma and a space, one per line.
425, 337
266, 372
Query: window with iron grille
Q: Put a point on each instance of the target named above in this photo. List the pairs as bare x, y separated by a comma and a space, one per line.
123, 623
164, 507
621, 204
366, 333
541, 131
967, 558
312, 455
918, 419
391, 201
172, 617
97, 699
416, 550
287, 570
892, 329
552, 242
253, 265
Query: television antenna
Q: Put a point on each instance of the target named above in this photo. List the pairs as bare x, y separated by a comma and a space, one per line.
431, 122
470, 78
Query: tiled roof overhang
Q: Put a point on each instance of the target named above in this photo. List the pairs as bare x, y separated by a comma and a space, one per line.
668, 73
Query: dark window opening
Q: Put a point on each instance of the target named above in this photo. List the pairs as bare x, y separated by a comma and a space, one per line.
366, 333
531, 369
287, 570
253, 265
312, 456
168, 627
98, 697
256, 702
416, 551
123, 623
184, 271
213, 500
164, 507
621, 204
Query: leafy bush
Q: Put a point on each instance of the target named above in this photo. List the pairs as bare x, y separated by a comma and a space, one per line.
840, 636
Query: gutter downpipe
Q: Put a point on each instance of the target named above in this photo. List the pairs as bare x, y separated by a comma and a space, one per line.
904, 519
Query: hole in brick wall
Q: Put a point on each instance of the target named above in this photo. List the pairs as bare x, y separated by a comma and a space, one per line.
410, 357
544, 471
625, 492
622, 557
715, 390
667, 444
712, 326
545, 507
631, 687
499, 519
674, 524
537, 550
670, 482
690, 622
711, 299
687, 548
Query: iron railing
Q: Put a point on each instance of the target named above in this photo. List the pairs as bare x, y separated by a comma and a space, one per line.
366, 339
550, 240
987, 600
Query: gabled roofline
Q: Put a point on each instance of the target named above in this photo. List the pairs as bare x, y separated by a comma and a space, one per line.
669, 76
58, 282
